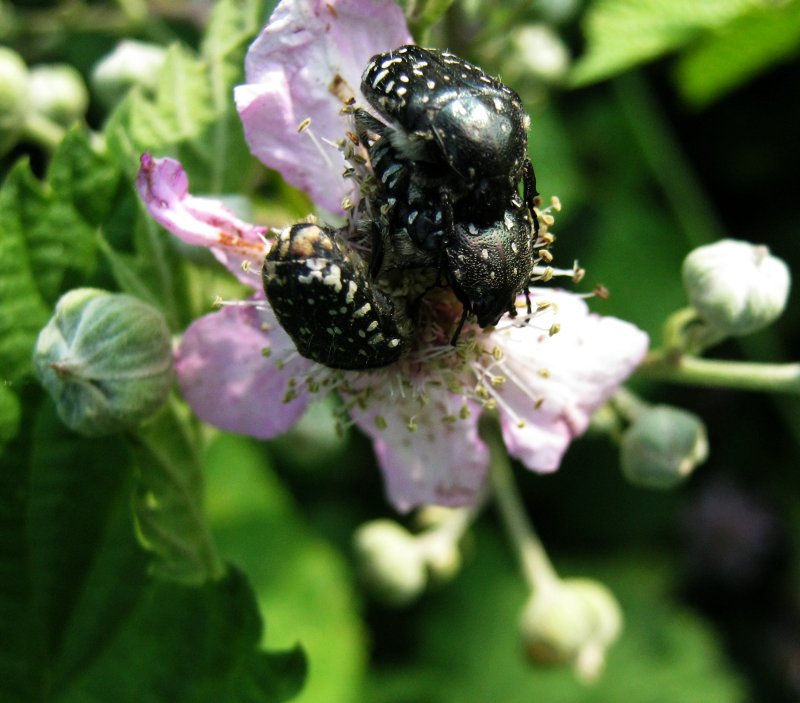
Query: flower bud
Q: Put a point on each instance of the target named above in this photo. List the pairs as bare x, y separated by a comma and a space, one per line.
130, 63
538, 51
13, 97
106, 360
58, 92
439, 540
442, 556
663, 446
736, 286
390, 562
573, 621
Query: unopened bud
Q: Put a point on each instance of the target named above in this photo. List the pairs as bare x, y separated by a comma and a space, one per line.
106, 360
390, 562
58, 92
538, 51
738, 287
442, 556
663, 446
13, 97
131, 63
574, 622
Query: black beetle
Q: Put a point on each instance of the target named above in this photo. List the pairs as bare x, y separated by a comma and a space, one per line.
326, 302
448, 162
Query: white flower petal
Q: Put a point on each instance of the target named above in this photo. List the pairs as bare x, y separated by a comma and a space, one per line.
441, 461
304, 64
554, 383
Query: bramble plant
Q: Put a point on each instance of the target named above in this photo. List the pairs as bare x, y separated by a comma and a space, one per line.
255, 401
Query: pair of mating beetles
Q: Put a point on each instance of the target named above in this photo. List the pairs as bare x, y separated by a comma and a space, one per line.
447, 161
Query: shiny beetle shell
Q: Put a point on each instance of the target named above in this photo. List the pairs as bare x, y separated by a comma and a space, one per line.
326, 303
454, 121
489, 266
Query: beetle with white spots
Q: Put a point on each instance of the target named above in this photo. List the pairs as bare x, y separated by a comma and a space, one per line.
449, 150
326, 303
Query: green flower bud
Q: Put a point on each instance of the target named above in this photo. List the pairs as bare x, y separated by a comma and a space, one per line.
663, 446
13, 97
58, 92
736, 286
390, 562
573, 621
130, 63
106, 360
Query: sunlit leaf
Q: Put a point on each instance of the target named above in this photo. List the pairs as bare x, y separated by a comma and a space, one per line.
623, 33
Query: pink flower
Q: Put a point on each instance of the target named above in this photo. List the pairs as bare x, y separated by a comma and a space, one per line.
239, 370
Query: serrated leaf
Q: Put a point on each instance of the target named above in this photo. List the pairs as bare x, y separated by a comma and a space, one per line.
303, 586
23, 310
180, 110
747, 46
190, 645
192, 113
623, 33
79, 618
168, 502
84, 177
47, 240
220, 156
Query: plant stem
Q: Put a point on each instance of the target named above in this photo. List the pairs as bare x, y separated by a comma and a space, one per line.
740, 375
43, 131
536, 567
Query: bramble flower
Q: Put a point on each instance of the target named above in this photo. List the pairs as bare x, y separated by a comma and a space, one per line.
543, 374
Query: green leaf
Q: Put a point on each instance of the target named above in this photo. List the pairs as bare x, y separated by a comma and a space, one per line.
23, 309
79, 618
623, 33
180, 110
220, 157
192, 113
84, 177
302, 584
748, 45
423, 14
168, 504
47, 239
191, 645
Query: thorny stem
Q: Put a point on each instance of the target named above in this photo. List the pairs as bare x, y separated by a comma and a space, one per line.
536, 567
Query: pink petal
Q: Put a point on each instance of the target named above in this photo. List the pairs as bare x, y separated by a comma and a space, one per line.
293, 71
229, 382
164, 188
555, 383
440, 462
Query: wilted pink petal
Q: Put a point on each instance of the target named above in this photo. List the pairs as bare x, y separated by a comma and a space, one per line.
230, 383
555, 383
307, 61
429, 454
164, 187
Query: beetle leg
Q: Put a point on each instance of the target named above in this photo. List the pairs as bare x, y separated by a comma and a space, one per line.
461, 322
